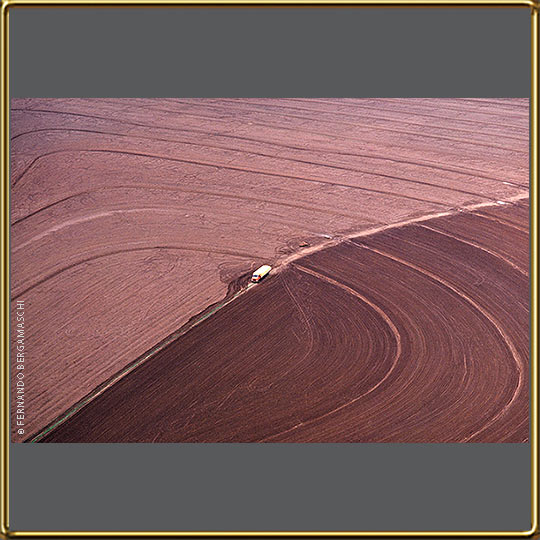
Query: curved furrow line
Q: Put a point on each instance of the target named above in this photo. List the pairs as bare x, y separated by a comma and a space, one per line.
416, 113
406, 388
262, 110
438, 104
108, 213
427, 164
386, 319
475, 245
158, 187
305, 162
128, 250
520, 103
518, 360
502, 222
411, 133
391, 130
238, 169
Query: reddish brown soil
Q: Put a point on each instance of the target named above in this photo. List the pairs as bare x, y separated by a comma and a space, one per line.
131, 216
414, 334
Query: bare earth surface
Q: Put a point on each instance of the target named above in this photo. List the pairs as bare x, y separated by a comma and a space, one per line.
129, 217
407, 335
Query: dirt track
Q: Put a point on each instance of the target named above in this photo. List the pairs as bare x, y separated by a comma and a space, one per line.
129, 217
415, 334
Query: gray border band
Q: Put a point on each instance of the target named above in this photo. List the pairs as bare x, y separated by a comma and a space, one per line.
270, 52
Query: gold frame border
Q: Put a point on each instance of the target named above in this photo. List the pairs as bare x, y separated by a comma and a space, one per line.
533, 5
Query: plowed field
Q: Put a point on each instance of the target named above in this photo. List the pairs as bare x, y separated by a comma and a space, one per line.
414, 334
131, 217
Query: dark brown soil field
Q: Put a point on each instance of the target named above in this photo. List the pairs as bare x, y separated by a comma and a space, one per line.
414, 334
130, 217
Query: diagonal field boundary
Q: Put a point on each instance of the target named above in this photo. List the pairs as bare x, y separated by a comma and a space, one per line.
146, 356
207, 313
